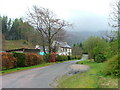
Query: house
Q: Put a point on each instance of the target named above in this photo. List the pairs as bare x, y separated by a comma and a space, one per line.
24, 50
42, 51
61, 48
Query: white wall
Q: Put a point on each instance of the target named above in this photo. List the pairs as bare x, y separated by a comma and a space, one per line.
64, 51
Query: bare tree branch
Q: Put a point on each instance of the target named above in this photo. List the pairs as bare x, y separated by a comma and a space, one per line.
46, 22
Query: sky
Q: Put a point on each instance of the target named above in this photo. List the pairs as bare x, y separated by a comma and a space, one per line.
83, 14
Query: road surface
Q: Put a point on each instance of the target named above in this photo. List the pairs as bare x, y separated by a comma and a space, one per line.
38, 77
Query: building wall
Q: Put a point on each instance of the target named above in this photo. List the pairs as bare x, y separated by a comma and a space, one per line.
64, 51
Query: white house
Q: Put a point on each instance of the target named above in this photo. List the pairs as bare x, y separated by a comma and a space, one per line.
62, 48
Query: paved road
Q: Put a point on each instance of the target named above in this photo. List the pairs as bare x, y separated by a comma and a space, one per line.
37, 78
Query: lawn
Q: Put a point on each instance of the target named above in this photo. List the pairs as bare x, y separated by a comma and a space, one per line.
93, 78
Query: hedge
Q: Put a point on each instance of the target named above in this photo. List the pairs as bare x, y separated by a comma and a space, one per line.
33, 59
13, 60
61, 58
8, 61
112, 67
64, 58
100, 58
20, 59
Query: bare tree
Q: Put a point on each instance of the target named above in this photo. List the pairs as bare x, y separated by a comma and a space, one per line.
115, 14
109, 36
46, 22
60, 36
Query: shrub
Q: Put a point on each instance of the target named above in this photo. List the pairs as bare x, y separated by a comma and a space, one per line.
33, 59
47, 57
8, 61
100, 58
78, 57
112, 67
65, 58
61, 58
20, 59
75, 57
72, 57
69, 58
13, 60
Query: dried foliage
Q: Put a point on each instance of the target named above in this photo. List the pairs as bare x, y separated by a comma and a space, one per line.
33, 59
13, 60
8, 61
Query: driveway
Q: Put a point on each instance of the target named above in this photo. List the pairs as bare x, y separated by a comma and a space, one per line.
38, 77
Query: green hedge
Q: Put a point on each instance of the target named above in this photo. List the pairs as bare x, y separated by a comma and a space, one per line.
64, 58
47, 57
20, 59
111, 67
100, 58
61, 58
75, 57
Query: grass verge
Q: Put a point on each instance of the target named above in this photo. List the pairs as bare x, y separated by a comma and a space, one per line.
23, 68
93, 78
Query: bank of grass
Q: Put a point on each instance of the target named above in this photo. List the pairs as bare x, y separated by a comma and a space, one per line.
23, 68
15, 44
93, 78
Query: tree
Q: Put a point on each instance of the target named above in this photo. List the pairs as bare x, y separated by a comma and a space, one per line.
60, 36
46, 22
95, 46
115, 14
109, 36
77, 49
5, 26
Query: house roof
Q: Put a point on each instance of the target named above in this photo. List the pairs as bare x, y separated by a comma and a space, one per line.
41, 48
61, 44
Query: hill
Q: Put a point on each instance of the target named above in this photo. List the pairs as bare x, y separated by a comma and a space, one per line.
15, 44
80, 36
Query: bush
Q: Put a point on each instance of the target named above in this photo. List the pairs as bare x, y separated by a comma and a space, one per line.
112, 67
13, 60
47, 57
72, 57
61, 58
8, 61
78, 57
33, 59
100, 58
75, 57
69, 58
20, 59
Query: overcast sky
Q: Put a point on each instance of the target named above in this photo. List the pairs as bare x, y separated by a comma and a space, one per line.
83, 14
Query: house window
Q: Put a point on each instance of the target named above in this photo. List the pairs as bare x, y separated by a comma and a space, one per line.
63, 49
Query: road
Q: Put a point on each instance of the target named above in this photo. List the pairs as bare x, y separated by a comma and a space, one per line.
38, 77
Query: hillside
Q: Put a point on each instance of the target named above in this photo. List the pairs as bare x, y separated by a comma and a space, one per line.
80, 36
15, 44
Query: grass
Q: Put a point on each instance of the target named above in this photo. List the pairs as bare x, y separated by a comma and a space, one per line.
24, 68
93, 78
14, 44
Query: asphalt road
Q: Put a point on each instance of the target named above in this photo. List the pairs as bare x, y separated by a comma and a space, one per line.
37, 78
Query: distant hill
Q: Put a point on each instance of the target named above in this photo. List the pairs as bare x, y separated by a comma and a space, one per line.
15, 44
80, 36
72, 37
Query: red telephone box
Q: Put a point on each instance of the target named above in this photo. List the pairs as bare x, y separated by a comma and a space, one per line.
52, 57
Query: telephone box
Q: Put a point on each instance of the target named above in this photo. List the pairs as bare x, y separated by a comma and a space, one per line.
52, 57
